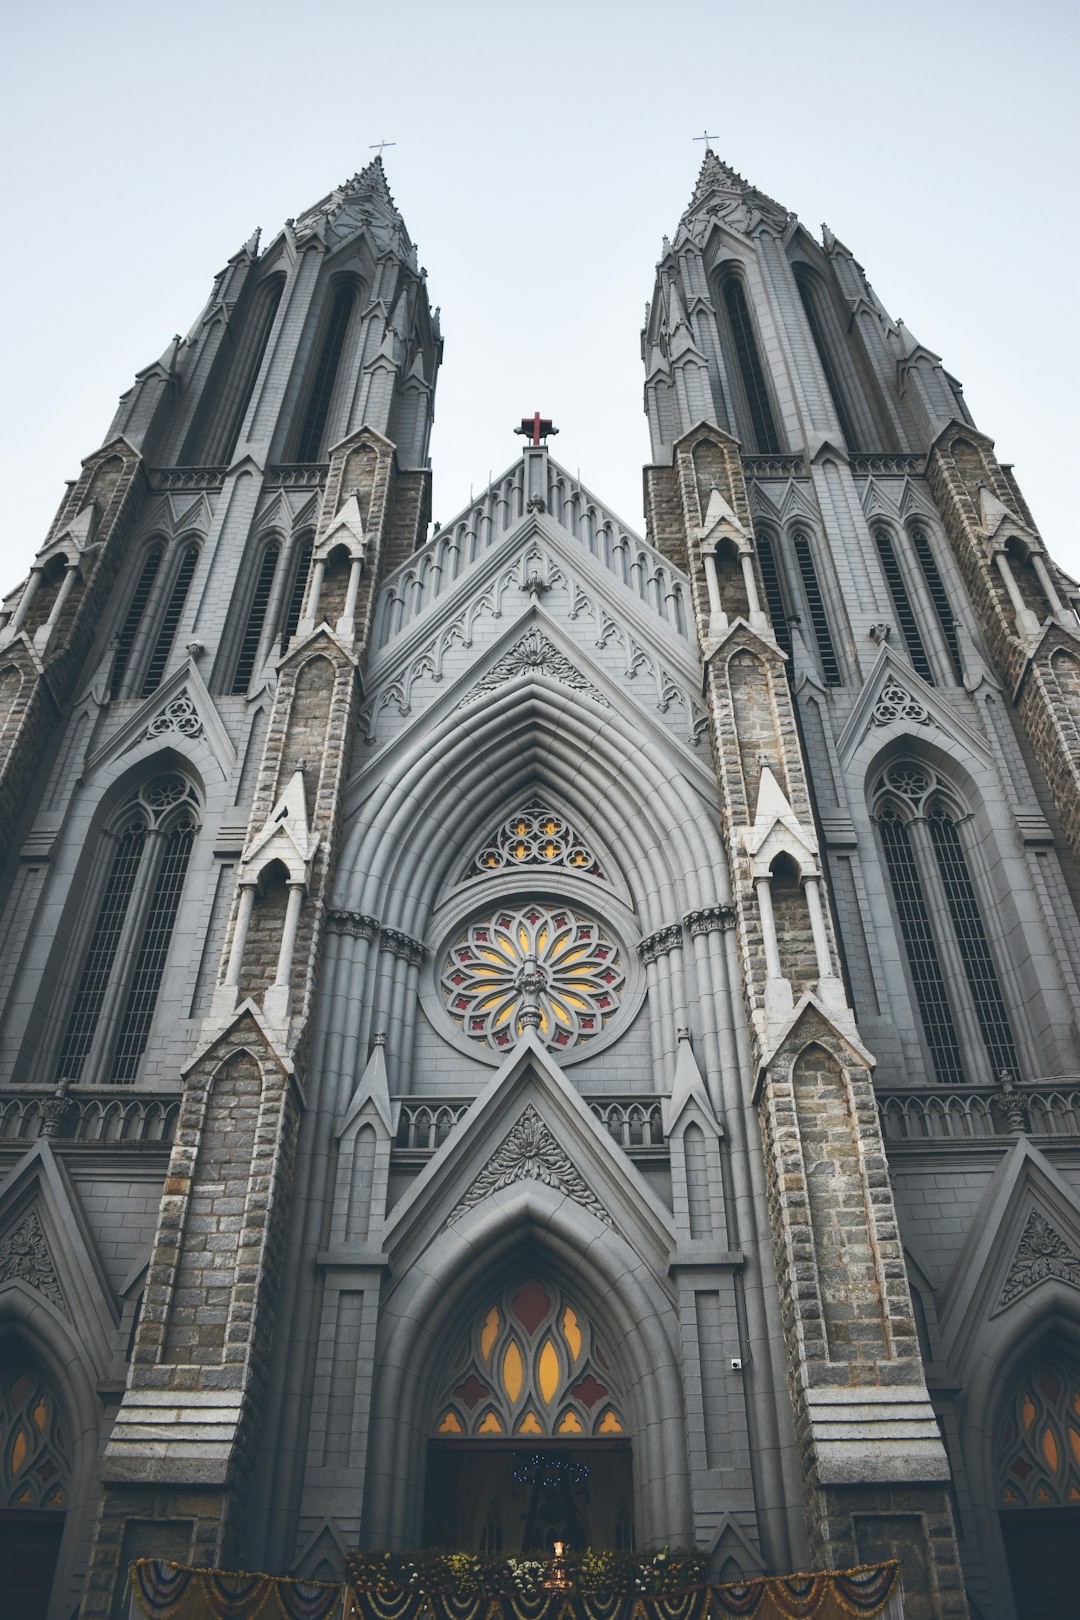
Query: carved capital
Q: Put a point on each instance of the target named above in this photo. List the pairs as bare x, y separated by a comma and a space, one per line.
410, 950
663, 941
709, 920
355, 923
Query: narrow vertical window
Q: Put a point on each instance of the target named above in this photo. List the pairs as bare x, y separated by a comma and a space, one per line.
170, 623
819, 621
773, 595
974, 947
836, 394
922, 952
326, 370
256, 619
905, 613
117, 992
242, 362
753, 378
296, 597
936, 586
153, 950
104, 942
133, 618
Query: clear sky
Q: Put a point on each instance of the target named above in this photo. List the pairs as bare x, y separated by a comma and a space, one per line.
542, 150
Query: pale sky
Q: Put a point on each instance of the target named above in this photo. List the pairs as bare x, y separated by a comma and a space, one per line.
541, 153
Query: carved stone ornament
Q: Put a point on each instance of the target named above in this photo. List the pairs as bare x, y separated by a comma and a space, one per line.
410, 950
1041, 1253
356, 923
534, 654
665, 940
24, 1253
179, 715
531, 1153
710, 920
894, 703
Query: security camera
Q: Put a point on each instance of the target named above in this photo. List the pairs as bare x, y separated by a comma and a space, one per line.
736, 1363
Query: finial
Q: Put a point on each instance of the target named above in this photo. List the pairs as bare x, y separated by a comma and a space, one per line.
380, 145
707, 138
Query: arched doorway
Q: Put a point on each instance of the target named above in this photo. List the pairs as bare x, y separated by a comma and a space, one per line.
528, 1436
35, 1471
1038, 1486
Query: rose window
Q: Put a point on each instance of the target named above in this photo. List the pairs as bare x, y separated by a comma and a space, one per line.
540, 967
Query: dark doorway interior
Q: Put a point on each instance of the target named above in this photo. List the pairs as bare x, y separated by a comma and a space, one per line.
1043, 1549
29, 1548
495, 1498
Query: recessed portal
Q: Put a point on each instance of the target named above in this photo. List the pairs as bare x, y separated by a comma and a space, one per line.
494, 1498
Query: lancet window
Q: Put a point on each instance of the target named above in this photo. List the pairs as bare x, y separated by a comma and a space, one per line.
815, 602
809, 294
755, 389
255, 624
939, 597
535, 836
905, 613
297, 590
326, 370
774, 595
530, 1364
1038, 1450
537, 966
953, 974
236, 372
170, 620
35, 1457
116, 994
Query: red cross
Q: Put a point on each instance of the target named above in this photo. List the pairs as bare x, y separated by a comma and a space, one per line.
536, 427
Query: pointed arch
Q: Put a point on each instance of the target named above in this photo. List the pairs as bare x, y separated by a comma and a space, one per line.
529, 1225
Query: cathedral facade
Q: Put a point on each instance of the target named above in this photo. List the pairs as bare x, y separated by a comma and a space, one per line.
521, 1030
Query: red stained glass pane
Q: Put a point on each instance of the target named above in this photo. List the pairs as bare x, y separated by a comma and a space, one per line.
530, 1305
589, 1391
472, 1391
21, 1390
1020, 1468
1050, 1384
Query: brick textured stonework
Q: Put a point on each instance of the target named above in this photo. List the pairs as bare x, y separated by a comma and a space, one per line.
36, 687
1047, 705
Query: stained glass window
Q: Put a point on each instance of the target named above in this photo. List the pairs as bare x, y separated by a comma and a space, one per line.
542, 967
1039, 1440
530, 1365
35, 1462
535, 836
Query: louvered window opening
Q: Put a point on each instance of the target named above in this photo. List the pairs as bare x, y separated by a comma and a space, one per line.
936, 586
753, 377
830, 667
256, 619
240, 384
153, 951
831, 383
922, 952
125, 641
905, 613
974, 947
97, 969
326, 371
170, 622
296, 599
773, 595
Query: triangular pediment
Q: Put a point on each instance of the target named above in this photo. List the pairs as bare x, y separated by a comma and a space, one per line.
529, 1125
179, 713
47, 1251
1023, 1243
894, 695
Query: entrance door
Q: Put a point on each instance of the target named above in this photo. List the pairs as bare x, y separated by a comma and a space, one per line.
29, 1548
1043, 1549
498, 1499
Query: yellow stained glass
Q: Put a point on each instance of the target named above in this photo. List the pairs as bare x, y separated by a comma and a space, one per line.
450, 1424
530, 1424
18, 1452
1028, 1411
571, 1332
1050, 1448
523, 940
23, 1497
571, 1424
1043, 1495
41, 1413
1009, 1496
56, 1499
1074, 1494
610, 1424
548, 1371
489, 1332
490, 1425
1074, 1442
513, 1372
